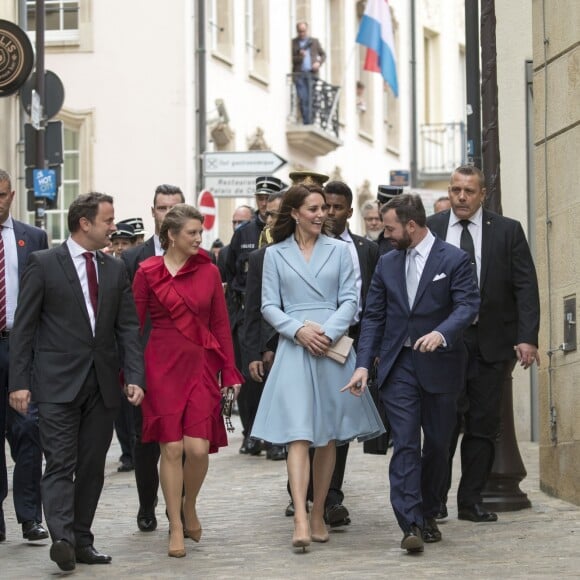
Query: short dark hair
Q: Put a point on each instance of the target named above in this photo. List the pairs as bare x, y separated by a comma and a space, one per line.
340, 188
166, 189
174, 221
292, 199
407, 206
86, 206
5, 176
471, 170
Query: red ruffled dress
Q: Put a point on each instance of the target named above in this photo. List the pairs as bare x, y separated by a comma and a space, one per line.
189, 345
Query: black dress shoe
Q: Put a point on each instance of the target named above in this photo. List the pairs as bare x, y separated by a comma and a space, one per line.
2, 536
289, 512
146, 522
254, 447
476, 513
442, 513
126, 466
336, 515
431, 532
88, 555
34, 531
63, 554
275, 453
412, 540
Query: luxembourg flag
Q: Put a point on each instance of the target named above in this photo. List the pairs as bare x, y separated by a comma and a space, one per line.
376, 33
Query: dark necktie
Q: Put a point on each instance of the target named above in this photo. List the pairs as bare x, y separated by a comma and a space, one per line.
466, 244
2, 283
92, 280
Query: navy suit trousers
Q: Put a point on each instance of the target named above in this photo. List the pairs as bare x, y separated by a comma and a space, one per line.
24, 440
417, 476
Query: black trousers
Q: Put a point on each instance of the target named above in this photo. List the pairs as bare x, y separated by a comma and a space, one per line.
481, 404
75, 439
145, 458
24, 440
125, 430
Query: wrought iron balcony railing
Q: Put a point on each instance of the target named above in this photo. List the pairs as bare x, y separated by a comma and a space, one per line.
442, 148
313, 102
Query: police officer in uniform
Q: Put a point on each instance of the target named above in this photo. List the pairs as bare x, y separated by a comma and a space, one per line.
244, 241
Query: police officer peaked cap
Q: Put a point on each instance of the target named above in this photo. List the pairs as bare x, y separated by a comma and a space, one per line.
306, 177
124, 231
136, 224
268, 184
386, 192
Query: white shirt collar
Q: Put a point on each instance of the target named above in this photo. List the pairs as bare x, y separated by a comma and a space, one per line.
345, 236
8, 223
424, 246
476, 218
75, 248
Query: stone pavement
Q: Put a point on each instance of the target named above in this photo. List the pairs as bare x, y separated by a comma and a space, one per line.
247, 536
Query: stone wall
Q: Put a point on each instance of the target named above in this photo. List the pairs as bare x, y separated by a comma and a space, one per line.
557, 179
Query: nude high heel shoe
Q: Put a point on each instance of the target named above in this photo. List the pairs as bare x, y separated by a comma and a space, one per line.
195, 535
176, 552
301, 540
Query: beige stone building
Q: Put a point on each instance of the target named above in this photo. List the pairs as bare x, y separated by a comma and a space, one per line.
556, 27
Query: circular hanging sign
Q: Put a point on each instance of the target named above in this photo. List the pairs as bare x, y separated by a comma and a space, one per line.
16, 57
53, 93
206, 204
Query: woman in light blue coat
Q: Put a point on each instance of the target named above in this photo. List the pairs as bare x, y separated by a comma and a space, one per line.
309, 276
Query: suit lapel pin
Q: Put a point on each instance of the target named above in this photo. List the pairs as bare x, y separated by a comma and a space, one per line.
21, 243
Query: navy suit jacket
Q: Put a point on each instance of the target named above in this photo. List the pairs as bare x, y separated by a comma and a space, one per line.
28, 239
447, 300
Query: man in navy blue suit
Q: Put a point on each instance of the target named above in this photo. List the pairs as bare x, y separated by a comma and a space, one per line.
420, 300
18, 241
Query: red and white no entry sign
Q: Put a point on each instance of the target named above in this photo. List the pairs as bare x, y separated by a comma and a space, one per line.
206, 205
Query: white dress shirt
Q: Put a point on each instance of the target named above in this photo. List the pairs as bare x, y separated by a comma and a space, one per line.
158, 249
76, 252
475, 227
345, 236
11, 270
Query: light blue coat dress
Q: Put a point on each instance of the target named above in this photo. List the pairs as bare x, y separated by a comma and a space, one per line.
302, 398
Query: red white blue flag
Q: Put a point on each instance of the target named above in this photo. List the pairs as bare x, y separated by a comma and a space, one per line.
376, 33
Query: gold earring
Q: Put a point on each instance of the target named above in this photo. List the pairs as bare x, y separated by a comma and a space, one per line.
173, 243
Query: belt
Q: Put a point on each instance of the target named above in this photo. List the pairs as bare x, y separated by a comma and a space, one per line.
4, 334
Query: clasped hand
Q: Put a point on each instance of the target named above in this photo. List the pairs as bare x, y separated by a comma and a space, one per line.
313, 340
134, 394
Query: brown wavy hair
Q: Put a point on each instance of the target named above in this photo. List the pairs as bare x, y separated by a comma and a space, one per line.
174, 221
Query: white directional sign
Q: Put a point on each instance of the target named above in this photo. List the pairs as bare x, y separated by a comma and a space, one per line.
231, 186
241, 163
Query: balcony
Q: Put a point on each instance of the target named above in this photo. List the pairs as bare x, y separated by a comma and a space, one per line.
319, 107
442, 148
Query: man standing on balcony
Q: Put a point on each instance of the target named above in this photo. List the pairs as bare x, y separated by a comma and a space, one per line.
307, 57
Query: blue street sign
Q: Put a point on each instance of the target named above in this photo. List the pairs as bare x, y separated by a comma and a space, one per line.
45, 183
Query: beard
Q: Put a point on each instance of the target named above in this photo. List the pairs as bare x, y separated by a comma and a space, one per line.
404, 243
373, 235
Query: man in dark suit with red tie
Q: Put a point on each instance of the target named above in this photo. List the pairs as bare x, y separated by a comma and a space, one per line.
505, 331
422, 297
146, 455
18, 240
75, 311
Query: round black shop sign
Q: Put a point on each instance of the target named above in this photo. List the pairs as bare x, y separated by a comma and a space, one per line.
16, 57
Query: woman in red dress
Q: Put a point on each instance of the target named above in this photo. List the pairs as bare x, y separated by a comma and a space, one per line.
189, 346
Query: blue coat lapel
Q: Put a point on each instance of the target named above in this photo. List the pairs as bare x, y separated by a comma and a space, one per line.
431, 268
308, 271
22, 250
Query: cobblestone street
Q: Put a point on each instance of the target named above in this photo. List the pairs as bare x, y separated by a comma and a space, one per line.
247, 536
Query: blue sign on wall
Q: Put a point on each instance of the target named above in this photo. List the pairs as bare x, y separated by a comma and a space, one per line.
45, 183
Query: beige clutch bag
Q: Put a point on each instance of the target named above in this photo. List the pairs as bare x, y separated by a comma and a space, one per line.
338, 351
